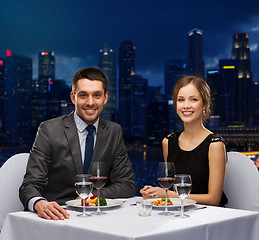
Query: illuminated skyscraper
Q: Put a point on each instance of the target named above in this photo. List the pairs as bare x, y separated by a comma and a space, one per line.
195, 51
107, 66
214, 80
17, 98
46, 76
139, 100
174, 70
158, 118
256, 104
228, 93
157, 115
241, 52
1, 98
57, 93
126, 69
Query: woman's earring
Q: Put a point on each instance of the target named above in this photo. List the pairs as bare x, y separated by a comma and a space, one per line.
204, 113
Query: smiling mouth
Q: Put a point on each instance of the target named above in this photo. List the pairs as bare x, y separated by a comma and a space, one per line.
187, 114
90, 111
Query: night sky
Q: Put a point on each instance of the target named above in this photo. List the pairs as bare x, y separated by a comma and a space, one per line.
75, 31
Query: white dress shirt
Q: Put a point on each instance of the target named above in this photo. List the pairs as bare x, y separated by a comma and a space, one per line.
82, 132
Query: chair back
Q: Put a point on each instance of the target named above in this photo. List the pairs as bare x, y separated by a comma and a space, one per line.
242, 182
11, 177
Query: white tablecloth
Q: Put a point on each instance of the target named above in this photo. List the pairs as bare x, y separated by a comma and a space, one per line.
212, 223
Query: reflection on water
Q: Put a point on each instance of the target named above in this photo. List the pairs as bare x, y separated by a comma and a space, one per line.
144, 163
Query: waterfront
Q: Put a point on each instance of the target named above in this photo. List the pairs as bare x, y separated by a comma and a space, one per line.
144, 162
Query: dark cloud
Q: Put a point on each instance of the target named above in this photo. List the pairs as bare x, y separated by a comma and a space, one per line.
76, 30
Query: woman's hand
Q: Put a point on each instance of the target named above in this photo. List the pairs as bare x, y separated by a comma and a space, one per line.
152, 192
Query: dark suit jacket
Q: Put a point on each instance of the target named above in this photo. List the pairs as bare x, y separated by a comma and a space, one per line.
55, 159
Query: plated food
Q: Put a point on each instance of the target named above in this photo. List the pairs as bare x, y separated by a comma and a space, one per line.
110, 204
92, 201
174, 202
161, 202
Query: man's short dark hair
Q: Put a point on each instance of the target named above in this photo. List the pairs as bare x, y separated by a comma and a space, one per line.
91, 74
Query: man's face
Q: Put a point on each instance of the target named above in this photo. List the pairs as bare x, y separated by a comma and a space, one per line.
89, 99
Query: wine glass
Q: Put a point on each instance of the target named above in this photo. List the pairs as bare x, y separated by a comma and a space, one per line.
98, 178
165, 178
83, 189
183, 187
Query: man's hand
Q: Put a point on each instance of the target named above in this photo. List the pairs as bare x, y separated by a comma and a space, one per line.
50, 210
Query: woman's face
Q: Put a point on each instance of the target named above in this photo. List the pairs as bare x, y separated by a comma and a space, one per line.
189, 104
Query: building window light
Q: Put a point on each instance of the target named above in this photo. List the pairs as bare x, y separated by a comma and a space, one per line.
228, 67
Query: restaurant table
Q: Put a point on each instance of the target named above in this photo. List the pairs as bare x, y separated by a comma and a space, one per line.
123, 222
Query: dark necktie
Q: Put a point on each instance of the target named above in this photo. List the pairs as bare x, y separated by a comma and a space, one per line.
89, 145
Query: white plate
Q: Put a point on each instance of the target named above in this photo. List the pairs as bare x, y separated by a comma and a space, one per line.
110, 203
176, 202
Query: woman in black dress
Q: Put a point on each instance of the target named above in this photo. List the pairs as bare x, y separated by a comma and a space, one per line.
195, 151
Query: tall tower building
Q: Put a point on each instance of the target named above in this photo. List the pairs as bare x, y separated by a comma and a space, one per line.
1, 99
46, 76
107, 66
195, 51
126, 70
174, 70
139, 100
126, 67
256, 104
241, 52
158, 120
17, 98
214, 80
228, 93
56, 96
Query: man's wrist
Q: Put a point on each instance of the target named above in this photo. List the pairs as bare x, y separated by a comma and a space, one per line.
36, 203
32, 202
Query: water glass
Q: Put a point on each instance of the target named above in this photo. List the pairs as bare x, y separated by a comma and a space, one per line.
183, 187
144, 208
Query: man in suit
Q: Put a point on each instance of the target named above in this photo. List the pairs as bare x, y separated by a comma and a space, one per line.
57, 155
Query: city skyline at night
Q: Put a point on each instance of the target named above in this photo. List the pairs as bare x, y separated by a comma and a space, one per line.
145, 42
142, 96
159, 29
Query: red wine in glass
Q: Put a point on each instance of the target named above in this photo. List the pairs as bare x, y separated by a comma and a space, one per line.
165, 178
166, 182
98, 178
98, 182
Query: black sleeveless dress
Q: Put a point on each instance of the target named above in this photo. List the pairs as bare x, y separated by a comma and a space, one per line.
194, 162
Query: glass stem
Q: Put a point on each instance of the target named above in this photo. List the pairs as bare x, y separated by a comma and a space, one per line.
166, 209
98, 200
84, 200
182, 208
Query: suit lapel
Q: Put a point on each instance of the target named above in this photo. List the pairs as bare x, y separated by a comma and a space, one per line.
73, 141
